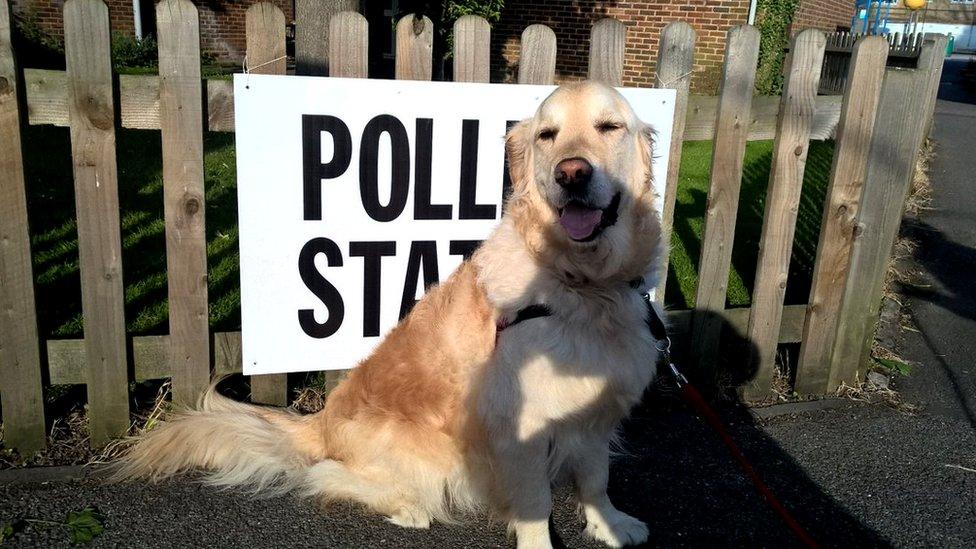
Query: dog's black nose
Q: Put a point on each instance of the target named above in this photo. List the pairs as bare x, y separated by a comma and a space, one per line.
573, 173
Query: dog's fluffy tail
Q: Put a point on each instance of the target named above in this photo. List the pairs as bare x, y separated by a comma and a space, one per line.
257, 448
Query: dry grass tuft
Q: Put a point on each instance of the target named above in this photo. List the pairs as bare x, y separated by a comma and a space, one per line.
141, 424
782, 388
68, 439
920, 194
312, 397
865, 391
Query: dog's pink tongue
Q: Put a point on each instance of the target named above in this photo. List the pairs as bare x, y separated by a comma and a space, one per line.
579, 221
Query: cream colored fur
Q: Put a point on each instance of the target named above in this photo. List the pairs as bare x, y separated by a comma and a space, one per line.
441, 420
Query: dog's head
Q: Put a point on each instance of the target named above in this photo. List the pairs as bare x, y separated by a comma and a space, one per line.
581, 176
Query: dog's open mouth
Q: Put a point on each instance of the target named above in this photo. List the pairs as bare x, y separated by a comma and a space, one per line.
584, 223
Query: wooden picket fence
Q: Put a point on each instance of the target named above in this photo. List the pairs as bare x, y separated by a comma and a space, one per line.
903, 50
878, 125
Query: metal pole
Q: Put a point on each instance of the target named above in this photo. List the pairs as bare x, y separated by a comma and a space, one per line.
137, 18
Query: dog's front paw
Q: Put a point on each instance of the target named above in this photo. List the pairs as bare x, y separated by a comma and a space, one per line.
409, 517
615, 528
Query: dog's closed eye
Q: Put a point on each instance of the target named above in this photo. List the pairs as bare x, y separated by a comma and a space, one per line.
547, 134
607, 127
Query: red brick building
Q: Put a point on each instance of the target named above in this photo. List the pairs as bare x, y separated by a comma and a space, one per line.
222, 28
221, 21
823, 14
711, 19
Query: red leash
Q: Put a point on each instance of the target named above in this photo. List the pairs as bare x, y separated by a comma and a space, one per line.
695, 399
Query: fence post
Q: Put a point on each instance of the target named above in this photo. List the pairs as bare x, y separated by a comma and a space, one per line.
20, 359
414, 48
796, 108
92, 119
472, 44
854, 131
906, 106
537, 60
675, 58
731, 131
265, 37
181, 124
608, 37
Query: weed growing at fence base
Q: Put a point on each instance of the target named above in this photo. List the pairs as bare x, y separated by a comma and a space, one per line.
55, 242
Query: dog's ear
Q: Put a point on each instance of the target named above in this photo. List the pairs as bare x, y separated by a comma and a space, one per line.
517, 142
646, 137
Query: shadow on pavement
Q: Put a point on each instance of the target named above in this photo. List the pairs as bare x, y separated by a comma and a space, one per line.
947, 284
959, 79
676, 475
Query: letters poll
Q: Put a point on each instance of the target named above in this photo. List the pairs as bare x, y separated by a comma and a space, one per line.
422, 254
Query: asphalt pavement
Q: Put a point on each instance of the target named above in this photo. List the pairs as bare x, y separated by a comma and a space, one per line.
855, 475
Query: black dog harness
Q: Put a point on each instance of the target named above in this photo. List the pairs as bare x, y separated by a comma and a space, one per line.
539, 310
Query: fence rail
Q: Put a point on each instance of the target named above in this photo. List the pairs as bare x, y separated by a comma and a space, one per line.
47, 103
858, 229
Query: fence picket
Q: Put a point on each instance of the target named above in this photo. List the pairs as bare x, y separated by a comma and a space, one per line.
348, 57
20, 357
906, 106
537, 60
608, 38
731, 131
854, 134
782, 203
264, 27
348, 45
313, 20
414, 48
92, 120
472, 43
181, 123
676, 55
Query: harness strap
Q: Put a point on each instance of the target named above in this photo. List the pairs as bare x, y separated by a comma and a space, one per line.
537, 310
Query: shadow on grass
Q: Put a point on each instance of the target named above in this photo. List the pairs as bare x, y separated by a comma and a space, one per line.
47, 159
690, 207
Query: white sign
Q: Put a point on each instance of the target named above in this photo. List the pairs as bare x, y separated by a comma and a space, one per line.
355, 194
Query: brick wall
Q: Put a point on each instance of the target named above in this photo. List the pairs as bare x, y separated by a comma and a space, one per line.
571, 21
826, 15
221, 21
222, 26
50, 15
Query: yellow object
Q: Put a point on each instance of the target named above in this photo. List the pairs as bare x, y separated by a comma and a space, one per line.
914, 4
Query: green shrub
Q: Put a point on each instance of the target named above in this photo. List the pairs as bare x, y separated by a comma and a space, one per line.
34, 46
37, 48
129, 53
491, 10
773, 21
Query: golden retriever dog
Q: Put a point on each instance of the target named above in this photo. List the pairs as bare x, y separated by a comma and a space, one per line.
462, 408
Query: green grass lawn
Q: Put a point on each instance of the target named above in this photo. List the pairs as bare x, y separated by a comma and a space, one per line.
55, 241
